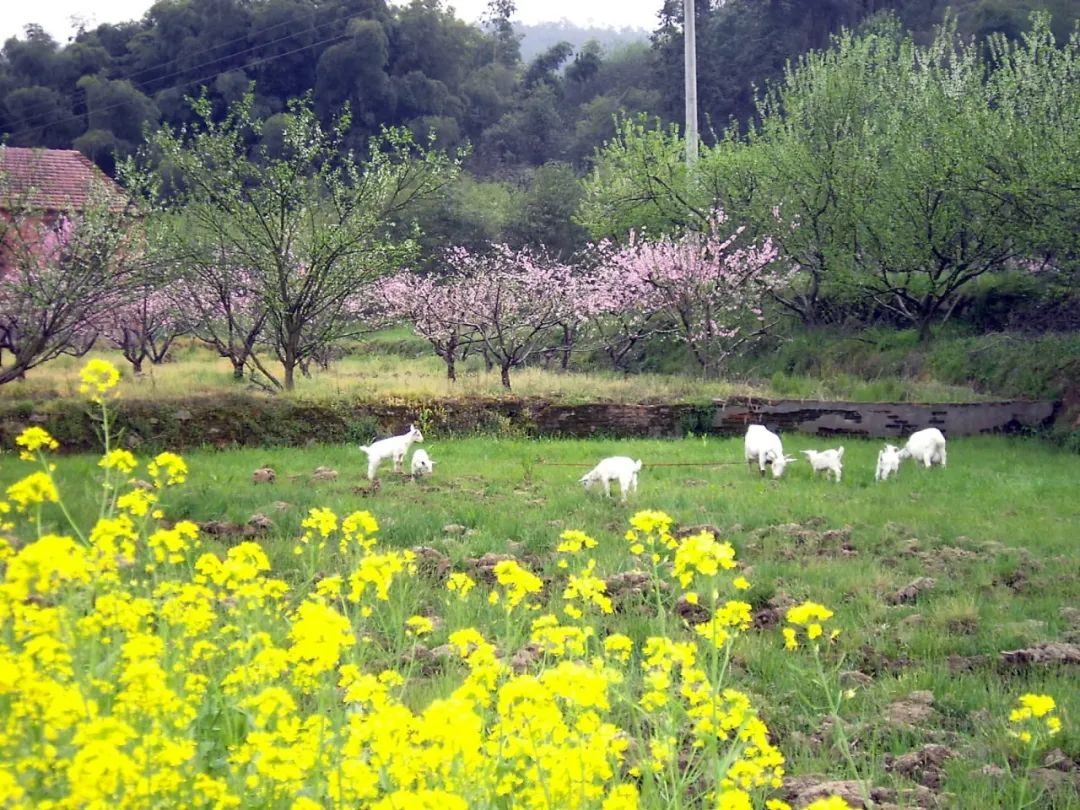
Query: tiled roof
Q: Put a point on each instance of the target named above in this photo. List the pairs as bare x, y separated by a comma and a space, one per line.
51, 179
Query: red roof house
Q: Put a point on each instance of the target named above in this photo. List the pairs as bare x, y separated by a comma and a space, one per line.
52, 180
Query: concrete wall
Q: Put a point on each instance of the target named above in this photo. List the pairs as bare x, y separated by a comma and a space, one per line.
882, 419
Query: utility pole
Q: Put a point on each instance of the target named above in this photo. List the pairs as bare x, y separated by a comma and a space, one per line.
690, 69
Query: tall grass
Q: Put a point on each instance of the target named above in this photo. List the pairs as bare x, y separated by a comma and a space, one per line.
395, 364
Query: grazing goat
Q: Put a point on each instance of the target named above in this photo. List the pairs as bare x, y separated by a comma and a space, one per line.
615, 468
764, 447
395, 447
421, 464
888, 462
828, 460
927, 446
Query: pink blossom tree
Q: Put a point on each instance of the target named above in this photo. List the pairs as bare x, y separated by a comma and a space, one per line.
709, 286
519, 301
59, 274
214, 290
437, 308
144, 325
625, 310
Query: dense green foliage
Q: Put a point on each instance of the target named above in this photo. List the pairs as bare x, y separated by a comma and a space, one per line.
893, 176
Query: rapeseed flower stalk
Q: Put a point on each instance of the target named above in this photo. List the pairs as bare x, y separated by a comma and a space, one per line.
460, 584
650, 536
518, 584
98, 378
167, 470
589, 590
701, 555
808, 628
1033, 721
33, 440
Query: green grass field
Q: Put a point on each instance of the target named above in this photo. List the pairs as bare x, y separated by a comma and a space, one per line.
997, 533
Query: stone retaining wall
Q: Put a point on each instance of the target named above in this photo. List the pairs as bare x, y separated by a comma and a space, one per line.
238, 420
882, 419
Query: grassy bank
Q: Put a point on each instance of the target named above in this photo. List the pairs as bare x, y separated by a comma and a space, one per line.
396, 364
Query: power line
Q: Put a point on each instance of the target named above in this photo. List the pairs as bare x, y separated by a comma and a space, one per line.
253, 63
134, 77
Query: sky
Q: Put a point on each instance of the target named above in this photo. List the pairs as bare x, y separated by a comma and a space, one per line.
56, 16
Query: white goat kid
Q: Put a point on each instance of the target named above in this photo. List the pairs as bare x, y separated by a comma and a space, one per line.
888, 462
827, 460
421, 464
927, 446
614, 468
764, 447
395, 447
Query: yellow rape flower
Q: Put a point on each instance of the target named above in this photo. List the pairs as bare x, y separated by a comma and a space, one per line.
809, 618
460, 584
35, 488
121, 460
701, 554
734, 800
419, 625
589, 589
167, 469
1034, 718
574, 541
138, 501
618, 646
830, 803
98, 378
517, 581
33, 439
359, 527
621, 797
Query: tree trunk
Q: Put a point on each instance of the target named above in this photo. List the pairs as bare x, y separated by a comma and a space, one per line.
924, 329
450, 358
567, 348
237, 368
505, 369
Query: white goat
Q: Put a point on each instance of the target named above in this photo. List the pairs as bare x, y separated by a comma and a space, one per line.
764, 447
927, 446
888, 462
615, 468
395, 447
421, 464
828, 460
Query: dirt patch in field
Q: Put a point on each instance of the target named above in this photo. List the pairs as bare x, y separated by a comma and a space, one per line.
808, 538
911, 712
873, 663
910, 592
966, 663
804, 790
924, 766
1050, 653
431, 563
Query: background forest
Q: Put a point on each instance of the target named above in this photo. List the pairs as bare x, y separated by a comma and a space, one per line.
533, 103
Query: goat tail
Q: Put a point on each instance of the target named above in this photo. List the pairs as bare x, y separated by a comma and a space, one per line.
637, 465
840, 451
366, 450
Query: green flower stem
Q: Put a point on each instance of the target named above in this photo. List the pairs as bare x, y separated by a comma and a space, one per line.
839, 734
